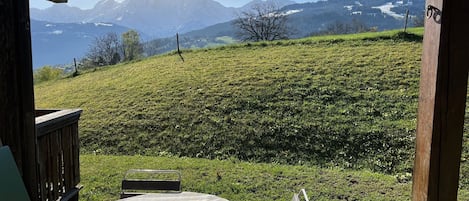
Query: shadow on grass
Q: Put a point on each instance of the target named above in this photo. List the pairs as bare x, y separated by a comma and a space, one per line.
400, 36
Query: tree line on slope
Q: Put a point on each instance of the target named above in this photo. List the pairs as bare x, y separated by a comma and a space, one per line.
109, 49
105, 50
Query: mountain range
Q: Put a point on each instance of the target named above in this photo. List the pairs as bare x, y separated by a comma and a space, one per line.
309, 18
156, 18
61, 33
201, 22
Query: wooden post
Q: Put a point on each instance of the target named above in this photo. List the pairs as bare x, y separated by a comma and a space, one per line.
179, 50
406, 20
443, 89
17, 128
76, 68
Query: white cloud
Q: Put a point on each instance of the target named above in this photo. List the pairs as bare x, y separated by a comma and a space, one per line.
102, 24
57, 32
290, 12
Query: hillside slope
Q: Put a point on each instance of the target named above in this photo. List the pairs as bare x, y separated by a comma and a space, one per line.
347, 102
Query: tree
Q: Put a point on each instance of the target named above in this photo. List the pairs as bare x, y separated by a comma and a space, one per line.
419, 20
132, 47
105, 50
262, 22
337, 27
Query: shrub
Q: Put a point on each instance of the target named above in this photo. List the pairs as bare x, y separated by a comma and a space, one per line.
46, 73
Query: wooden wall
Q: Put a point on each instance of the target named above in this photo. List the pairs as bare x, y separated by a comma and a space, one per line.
16, 88
442, 101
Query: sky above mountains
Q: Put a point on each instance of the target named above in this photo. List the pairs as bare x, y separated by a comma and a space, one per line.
88, 4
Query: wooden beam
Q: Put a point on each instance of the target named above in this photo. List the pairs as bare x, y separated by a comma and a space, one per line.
17, 127
443, 89
58, 1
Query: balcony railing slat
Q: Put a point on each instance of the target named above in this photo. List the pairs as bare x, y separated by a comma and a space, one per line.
76, 154
42, 165
67, 154
57, 162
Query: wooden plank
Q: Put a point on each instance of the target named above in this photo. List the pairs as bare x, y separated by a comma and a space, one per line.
76, 153
55, 170
56, 120
26, 101
76, 157
9, 114
43, 112
50, 171
151, 185
45, 172
443, 89
457, 52
61, 179
68, 157
42, 167
428, 74
16, 89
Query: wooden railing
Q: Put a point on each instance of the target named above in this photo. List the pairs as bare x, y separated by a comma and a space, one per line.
58, 163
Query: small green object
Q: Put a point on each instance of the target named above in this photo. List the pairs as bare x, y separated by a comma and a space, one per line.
11, 184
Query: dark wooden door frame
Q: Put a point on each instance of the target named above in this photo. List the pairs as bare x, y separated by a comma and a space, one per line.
443, 90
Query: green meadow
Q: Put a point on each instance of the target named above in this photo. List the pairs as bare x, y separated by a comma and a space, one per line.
335, 115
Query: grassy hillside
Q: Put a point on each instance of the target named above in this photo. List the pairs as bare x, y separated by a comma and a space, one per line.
349, 100
331, 101
346, 101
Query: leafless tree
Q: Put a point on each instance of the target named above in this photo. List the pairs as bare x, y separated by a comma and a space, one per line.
262, 22
105, 50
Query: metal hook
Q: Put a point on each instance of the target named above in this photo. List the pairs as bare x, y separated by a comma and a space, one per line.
430, 10
434, 12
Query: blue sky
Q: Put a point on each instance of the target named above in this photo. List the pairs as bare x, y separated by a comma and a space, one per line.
87, 4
